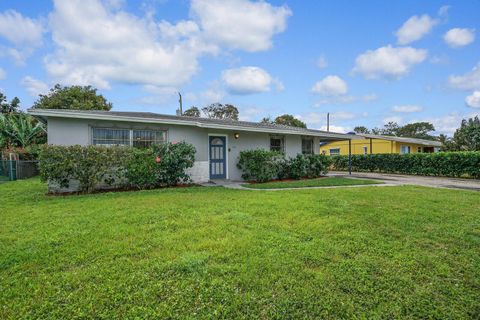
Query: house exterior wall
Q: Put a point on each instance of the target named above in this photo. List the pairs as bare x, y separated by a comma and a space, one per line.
64, 131
378, 146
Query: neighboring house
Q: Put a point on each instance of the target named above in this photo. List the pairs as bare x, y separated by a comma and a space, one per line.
218, 142
370, 143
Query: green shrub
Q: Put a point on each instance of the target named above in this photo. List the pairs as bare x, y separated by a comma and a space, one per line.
262, 165
296, 167
116, 166
448, 164
89, 165
175, 159
142, 169
259, 165
318, 165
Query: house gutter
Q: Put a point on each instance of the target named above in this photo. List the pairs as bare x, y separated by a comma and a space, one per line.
79, 115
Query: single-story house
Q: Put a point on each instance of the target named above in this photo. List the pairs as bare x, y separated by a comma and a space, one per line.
373, 144
218, 142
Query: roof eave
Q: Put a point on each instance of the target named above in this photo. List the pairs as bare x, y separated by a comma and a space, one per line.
80, 115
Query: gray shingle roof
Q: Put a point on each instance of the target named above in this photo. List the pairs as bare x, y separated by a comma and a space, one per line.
424, 142
183, 120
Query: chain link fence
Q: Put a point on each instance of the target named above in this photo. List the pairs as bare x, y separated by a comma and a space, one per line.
17, 169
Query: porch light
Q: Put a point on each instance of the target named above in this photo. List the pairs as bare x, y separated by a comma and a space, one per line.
236, 135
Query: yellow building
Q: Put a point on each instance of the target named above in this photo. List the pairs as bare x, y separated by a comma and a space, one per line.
369, 143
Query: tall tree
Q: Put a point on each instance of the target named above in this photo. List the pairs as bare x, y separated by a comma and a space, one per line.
361, 129
9, 107
418, 130
389, 129
73, 97
467, 137
192, 112
267, 120
289, 120
220, 111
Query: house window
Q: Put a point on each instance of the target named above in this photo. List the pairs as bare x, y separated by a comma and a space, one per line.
111, 137
419, 149
404, 149
277, 143
365, 150
307, 145
127, 137
334, 152
146, 138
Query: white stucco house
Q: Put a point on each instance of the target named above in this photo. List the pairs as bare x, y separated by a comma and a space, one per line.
218, 142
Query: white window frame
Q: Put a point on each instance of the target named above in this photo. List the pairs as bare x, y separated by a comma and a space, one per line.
282, 138
106, 128
151, 141
312, 143
130, 133
365, 150
336, 154
402, 149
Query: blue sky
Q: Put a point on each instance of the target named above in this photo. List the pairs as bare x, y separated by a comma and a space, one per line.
365, 62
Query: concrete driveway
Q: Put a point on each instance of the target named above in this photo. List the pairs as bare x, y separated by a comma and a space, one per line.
436, 182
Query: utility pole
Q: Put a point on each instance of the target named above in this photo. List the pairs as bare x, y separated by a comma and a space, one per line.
180, 101
328, 121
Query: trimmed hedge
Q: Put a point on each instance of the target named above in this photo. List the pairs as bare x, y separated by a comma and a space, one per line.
259, 165
263, 165
448, 164
116, 167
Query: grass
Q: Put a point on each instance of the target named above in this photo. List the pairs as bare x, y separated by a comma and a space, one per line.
397, 252
308, 183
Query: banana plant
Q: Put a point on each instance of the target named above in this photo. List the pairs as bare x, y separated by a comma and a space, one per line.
20, 130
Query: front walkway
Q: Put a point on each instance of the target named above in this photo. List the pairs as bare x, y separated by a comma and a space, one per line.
398, 179
387, 180
239, 186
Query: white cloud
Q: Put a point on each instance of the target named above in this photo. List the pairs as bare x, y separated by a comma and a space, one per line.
343, 115
443, 11
415, 28
388, 62
3, 74
319, 120
334, 128
240, 24
20, 30
33, 86
330, 86
98, 43
441, 60
247, 80
473, 100
468, 81
396, 119
458, 37
322, 62
249, 113
407, 108
346, 99
25, 34
446, 124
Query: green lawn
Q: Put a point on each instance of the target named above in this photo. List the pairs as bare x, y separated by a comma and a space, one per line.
320, 182
397, 252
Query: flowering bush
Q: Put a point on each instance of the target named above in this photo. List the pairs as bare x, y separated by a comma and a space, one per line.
118, 167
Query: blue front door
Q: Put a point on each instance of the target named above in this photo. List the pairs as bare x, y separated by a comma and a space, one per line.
218, 158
